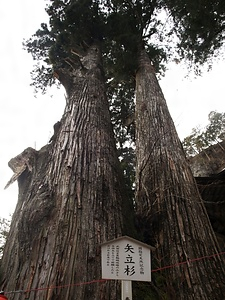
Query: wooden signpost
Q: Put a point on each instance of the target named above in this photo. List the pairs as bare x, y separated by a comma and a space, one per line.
128, 260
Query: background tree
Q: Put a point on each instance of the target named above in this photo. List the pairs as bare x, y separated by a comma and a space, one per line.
201, 139
4, 230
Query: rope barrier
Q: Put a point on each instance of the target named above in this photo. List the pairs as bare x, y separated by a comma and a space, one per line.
57, 286
105, 280
188, 261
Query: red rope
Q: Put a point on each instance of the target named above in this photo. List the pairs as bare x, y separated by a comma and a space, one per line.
188, 261
104, 280
57, 286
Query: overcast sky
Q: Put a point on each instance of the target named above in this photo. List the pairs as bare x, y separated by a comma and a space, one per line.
26, 121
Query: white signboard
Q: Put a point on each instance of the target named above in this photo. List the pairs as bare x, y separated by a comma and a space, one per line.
126, 259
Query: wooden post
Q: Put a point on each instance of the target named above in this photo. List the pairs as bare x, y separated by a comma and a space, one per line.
126, 290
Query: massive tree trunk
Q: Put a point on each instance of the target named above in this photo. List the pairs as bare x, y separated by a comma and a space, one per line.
168, 201
71, 199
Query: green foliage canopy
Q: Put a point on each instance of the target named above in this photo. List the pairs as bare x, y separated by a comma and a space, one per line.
122, 27
200, 26
191, 29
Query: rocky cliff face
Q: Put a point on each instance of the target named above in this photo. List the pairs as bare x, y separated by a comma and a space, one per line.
208, 168
209, 162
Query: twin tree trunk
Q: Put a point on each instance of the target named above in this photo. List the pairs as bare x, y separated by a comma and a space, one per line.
168, 203
71, 200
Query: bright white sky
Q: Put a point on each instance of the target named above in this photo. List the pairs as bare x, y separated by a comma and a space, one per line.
26, 121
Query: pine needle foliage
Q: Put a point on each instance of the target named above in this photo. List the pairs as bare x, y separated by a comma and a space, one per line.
200, 26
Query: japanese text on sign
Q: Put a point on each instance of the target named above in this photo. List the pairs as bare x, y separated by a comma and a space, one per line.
126, 260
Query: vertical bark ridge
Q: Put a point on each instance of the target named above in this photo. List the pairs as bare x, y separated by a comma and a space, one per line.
168, 200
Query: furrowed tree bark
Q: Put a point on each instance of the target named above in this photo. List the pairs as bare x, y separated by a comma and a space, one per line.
168, 202
70, 201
